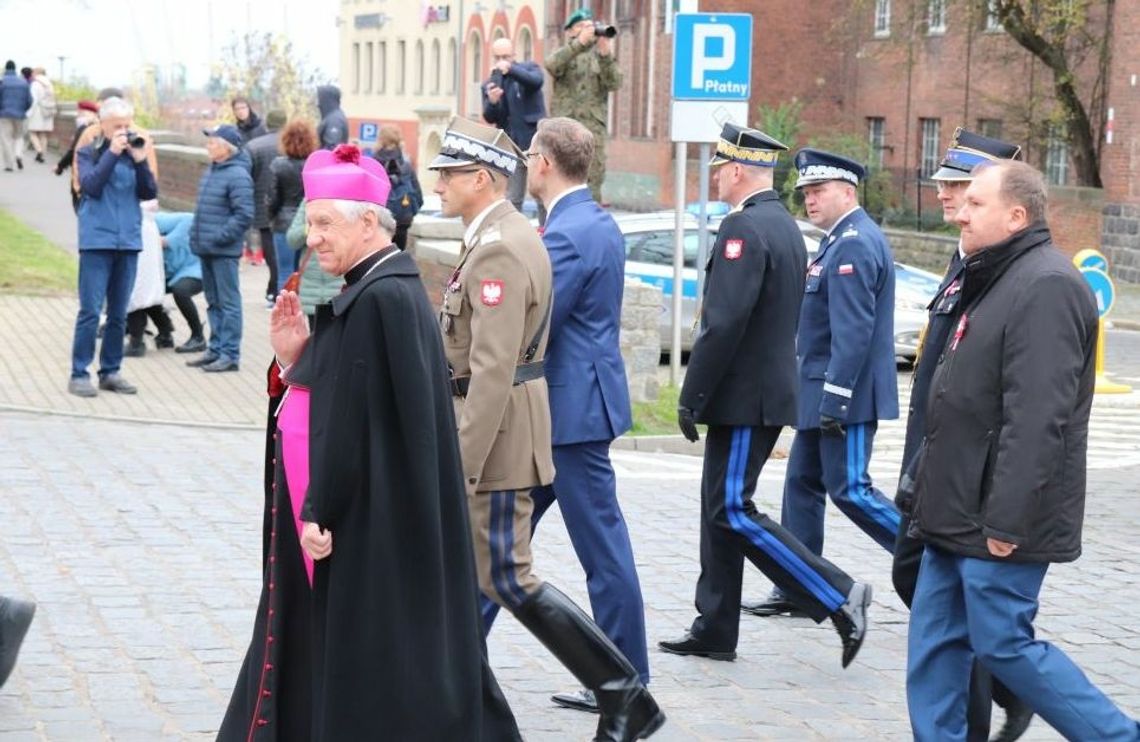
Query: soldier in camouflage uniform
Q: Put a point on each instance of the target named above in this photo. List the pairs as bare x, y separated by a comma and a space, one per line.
585, 72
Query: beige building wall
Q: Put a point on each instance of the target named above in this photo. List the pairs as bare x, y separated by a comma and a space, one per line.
415, 64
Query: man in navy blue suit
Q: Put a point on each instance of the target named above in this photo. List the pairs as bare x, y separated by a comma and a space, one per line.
513, 102
589, 395
846, 354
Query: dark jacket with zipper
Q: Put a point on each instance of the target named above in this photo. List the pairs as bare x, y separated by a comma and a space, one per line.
1007, 420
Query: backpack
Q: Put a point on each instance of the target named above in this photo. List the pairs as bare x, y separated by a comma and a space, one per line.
403, 201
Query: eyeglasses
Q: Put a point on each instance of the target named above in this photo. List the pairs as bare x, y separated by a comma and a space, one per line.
535, 153
446, 174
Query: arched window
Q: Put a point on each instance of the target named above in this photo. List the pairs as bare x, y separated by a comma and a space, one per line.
475, 43
500, 33
435, 67
452, 67
419, 68
526, 44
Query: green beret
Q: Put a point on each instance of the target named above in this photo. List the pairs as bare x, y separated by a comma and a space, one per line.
582, 14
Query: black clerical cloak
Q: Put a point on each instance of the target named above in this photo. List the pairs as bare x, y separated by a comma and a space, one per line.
396, 643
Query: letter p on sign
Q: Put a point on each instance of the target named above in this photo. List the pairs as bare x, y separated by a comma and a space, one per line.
705, 58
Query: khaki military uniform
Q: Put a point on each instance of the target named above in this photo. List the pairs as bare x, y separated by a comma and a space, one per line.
493, 306
583, 80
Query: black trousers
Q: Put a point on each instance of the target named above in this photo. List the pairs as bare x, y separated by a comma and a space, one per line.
400, 239
183, 290
732, 529
265, 237
136, 322
983, 686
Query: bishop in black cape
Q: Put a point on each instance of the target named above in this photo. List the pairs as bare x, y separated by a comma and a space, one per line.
387, 644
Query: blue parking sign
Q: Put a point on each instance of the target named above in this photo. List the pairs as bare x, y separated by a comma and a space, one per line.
368, 132
712, 56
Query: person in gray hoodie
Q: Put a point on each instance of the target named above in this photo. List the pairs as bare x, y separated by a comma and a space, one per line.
333, 129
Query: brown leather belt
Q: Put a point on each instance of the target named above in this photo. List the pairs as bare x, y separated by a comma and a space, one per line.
523, 372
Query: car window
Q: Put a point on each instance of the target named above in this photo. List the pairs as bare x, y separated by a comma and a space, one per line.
656, 247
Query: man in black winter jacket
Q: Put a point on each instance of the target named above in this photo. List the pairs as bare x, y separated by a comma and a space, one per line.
333, 129
999, 482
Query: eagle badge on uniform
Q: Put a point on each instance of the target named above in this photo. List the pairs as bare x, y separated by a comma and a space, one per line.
846, 269
492, 293
733, 249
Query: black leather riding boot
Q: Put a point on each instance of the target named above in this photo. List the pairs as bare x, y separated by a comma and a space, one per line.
628, 711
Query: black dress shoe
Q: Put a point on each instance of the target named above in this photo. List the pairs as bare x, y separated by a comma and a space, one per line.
164, 341
579, 700
851, 620
774, 605
15, 618
1018, 715
222, 364
693, 647
135, 348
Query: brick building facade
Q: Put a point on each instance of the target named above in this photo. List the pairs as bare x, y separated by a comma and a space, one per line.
902, 74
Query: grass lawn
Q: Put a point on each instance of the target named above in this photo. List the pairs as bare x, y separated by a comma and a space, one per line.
30, 263
658, 417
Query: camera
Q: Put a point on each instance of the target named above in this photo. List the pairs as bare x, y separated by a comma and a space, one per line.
604, 29
136, 140
497, 78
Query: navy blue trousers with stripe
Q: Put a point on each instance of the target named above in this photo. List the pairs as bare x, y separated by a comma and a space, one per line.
836, 465
732, 529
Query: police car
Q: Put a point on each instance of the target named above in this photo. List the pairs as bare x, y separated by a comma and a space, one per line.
649, 259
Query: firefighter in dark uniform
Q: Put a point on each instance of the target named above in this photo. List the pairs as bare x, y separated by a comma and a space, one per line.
494, 319
741, 381
967, 150
847, 376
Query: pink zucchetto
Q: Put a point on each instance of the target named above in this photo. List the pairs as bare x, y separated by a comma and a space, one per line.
344, 173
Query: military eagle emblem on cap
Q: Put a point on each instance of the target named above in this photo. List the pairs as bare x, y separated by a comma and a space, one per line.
967, 150
746, 146
467, 143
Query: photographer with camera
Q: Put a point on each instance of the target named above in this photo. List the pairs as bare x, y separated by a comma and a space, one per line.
513, 102
114, 175
585, 72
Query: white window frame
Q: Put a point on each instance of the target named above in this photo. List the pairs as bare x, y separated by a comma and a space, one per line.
877, 138
882, 19
1057, 157
931, 131
936, 17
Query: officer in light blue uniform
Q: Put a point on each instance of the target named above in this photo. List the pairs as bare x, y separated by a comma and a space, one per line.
846, 357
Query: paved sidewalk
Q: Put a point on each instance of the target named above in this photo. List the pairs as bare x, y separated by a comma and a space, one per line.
42, 200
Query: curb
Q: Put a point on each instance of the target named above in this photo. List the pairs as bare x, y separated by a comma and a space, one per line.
130, 419
1124, 324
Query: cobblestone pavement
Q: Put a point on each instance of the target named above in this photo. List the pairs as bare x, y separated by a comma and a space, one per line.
140, 544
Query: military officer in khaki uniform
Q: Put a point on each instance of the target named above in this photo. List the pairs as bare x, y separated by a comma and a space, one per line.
585, 72
494, 316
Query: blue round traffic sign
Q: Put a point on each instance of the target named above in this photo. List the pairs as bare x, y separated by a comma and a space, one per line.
1102, 288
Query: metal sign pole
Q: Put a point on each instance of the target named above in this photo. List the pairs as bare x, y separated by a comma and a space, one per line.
678, 264
703, 218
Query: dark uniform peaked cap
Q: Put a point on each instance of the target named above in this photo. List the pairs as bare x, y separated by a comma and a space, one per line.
967, 150
746, 146
467, 143
817, 166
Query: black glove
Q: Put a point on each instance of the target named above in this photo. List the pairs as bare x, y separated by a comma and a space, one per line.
687, 424
830, 426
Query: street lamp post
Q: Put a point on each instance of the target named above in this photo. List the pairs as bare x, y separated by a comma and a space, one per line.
61, 58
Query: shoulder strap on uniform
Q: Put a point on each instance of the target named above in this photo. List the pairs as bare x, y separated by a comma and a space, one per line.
531, 349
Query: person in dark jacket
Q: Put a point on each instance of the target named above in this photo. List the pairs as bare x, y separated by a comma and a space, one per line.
742, 382
15, 100
513, 102
953, 176
223, 214
248, 122
262, 150
86, 113
999, 486
114, 177
287, 192
402, 174
333, 129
